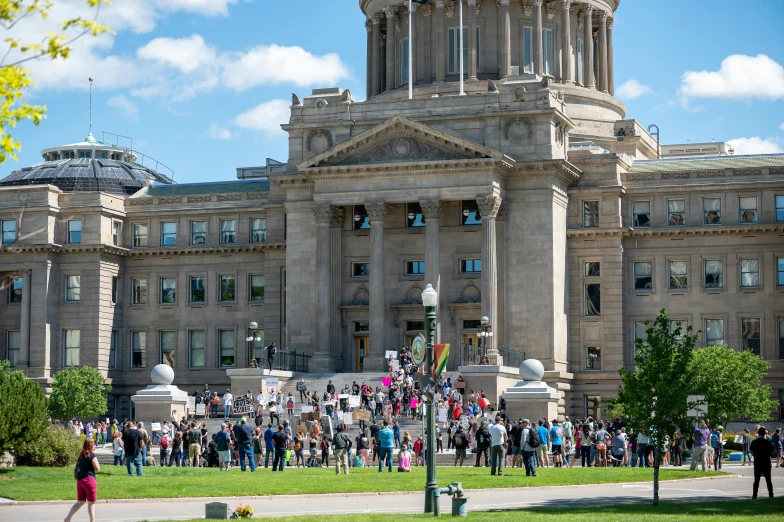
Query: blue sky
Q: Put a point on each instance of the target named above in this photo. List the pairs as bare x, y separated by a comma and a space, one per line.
202, 85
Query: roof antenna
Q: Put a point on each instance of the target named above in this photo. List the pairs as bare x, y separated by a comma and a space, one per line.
91, 105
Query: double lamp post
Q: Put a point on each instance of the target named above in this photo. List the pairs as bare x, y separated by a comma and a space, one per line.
430, 301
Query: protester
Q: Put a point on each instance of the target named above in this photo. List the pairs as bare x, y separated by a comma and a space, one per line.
193, 438
461, 443
557, 438
541, 450
280, 441
118, 451
86, 487
341, 443
701, 436
761, 449
223, 446
386, 438
482, 439
228, 399
777, 441
244, 436
530, 441
497, 443
132, 442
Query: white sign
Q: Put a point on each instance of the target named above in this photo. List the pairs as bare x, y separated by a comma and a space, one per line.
201, 410
347, 418
394, 365
464, 422
353, 401
272, 385
155, 426
391, 354
191, 405
307, 409
343, 396
243, 403
700, 410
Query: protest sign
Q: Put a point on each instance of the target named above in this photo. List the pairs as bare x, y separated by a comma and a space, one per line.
353, 401
307, 409
301, 386
301, 428
272, 385
363, 415
347, 418
201, 410
442, 414
243, 403
390, 354
155, 426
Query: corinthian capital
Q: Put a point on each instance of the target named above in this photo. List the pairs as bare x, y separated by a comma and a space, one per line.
431, 209
550, 8
440, 4
323, 214
427, 10
602, 16
450, 8
580, 19
587, 9
369, 25
376, 18
566, 4
528, 7
338, 217
376, 211
390, 11
488, 206
610, 22
471, 3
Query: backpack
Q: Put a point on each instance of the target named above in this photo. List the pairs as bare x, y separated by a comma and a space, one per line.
165, 443
481, 438
460, 440
533, 438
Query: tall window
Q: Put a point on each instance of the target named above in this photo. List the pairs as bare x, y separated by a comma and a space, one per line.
750, 331
592, 269
257, 347
9, 231
167, 344
749, 273
228, 231
13, 346
15, 290
74, 232
676, 212
415, 268
226, 341
643, 279
227, 288
453, 56
469, 209
139, 235
747, 209
361, 219
675, 324
113, 349
641, 213
640, 332
593, 301
549, 67
139, 291
168, 234
198, 293
138, 349
116, 233
714, 274
679, 277
115, 290
414, 216
168, 290
593, 358
780, 271
197, 340
779, 209
590, 214
580, 61
402, 61
528, 50
72, 344
198, 233
470, 266
256, 287
711, 211
360, 270
258, 230
73, 288
714, 332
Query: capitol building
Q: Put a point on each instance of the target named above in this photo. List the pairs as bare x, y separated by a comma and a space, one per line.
532, 199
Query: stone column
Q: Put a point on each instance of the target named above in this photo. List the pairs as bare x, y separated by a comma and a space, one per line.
431, 211
588, 46
24, 335
412, 44
391, 15
602, 58
376, 21
506, 48
323, 214
377, 212
427, 11
538, 33
610, 65
369, 66
595, 50
472, 58
566, 32
440, 42
336, 248
488, 209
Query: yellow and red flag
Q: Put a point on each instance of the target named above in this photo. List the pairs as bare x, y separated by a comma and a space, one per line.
440, 358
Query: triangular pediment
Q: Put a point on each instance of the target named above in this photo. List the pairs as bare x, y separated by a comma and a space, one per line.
400, 140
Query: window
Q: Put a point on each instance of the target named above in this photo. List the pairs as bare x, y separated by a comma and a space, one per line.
362, 326
414, 216
781, 338
453, 56
74, 232
139, 235
361, 219
167, 344
684, 328
714, 274
641, 213
751, 335
528, 50
227, 288
73, 288
72, 343
226, 341
548, 52
198, 294
711, 211
15, 290
471, 324
415, 326
116, 233
470, 266
470, 212
139, 291
138, 349
593, 304
258, 230
749, 273
714, 332
679, 278
13, 347
113, 349
415, 268
168, 234
643, 278
402, 61
640, 332
590, 214
779, 209
115, 290
580, 61
228, 231
9, 231
168, 290
360, 270
593, 269
257, 288
258, 349
780, 271
593, 358
196, 347
676, 212
84, 154
748, 210
198, 232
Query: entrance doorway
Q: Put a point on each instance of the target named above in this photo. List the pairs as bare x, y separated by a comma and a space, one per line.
361, 345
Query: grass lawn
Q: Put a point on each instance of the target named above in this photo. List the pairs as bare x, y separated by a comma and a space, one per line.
23, 483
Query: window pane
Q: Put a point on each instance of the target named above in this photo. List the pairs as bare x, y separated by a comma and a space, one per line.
168, 234
471, 266
751, 335
257, 288
548, 52
74, 232
139, 287
528, 49
593, 358
15, 291
13, 347
140, 235
113, 349
678, 275
714, 332
781, 338
590, 214
167, 348
641, 211
71, 347
780, 271
198, 233
415, 267
748, 209
228, 231
226, 348
138, 349
9, 231
258, 230
714, 274
676, 212
403, 62
168, 290
197, 343
642, 276
779, 208
73, 290
749, 273
227, 288
640, 332
593, 300
592, 269
198, 292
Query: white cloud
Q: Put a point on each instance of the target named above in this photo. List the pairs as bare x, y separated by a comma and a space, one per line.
632, 89
217, 132
265, 117
185, 54
755, 145
128, 108
781, 126
739, 77
202, 7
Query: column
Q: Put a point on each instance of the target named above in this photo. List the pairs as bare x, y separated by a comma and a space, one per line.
602, 58
338, 217
377, 212
595, 50
440, 43
431, 210
506, 48
610, 66
24, 335
376, 20
566, 32
588, 46
427, 11
369, 67
412, 44
538, 63
323, 214
488, 209
472, 58
390, 12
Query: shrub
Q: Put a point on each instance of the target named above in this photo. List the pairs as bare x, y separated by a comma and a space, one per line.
22, 409
57, 447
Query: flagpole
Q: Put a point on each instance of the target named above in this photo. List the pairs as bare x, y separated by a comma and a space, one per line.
462, 89
410, 53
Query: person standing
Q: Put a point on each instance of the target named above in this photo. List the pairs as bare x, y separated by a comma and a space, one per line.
482, 438
243, 434
223, 445
556, 435
290, 405
341, 443
165, 449
194, 445
268, 445
280, 440
271, 351
777, 441
761, 449
260, 403
528, 436
86, 487
302, 388
544, 439
228, 399
132, 442
701, 436
386, 438
118, 450
498, 442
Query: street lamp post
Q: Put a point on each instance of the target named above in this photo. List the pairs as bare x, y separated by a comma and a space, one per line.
485, 333
253, 335
430, 301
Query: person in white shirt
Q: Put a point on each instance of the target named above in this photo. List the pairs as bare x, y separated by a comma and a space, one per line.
260, 402
497, 446
228, 399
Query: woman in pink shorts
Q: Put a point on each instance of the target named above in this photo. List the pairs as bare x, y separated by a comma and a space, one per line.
86, 488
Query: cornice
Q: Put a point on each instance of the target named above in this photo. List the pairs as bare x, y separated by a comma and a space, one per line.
140, 252
567, 172
404, 168
675, 232
597, 233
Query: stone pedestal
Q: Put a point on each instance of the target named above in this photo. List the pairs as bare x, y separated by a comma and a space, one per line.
157, 402
253, 379
493, 380
531, 398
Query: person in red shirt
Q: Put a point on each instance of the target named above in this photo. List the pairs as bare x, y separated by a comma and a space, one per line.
457, 412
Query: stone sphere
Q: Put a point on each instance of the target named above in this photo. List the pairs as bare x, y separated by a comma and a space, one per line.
162, 374
531, 370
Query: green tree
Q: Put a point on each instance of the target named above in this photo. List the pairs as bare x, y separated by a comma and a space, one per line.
78, 393
655, 395
731, 382
14, 78
23, 414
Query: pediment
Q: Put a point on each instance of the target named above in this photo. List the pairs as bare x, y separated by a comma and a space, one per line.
400, 140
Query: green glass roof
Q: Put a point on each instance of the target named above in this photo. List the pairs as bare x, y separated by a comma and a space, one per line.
220, 187
707, 163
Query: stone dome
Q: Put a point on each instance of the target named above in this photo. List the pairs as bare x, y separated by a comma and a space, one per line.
531, 370
162, 374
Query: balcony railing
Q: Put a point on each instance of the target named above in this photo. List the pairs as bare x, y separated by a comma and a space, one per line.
471, 355
292, 361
